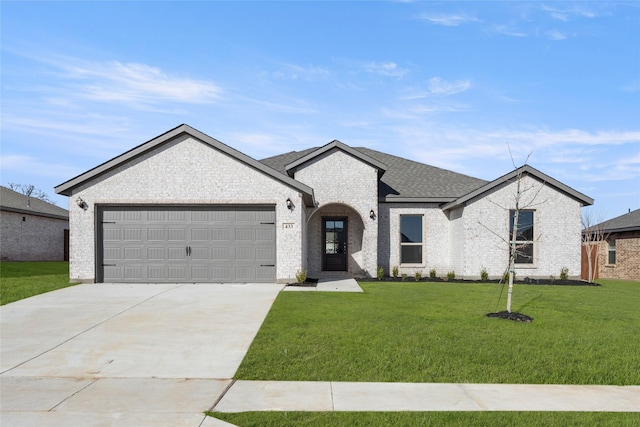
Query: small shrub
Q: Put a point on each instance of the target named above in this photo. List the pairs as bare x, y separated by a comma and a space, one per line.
380, 273
418, 275
395, 271
484, 274
404, 276
301, 275
564, 273
432, 273
552, 278
451, 275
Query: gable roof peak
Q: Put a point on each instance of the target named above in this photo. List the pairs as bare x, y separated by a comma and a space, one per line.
291, 168
514, 175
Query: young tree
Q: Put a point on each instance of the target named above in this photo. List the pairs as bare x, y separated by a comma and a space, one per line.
520, 230
30, 190
592, 237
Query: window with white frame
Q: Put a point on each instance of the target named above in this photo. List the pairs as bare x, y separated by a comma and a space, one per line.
524, 242
611, 259
411, 239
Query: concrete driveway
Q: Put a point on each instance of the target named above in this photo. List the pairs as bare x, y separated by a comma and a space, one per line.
125, 354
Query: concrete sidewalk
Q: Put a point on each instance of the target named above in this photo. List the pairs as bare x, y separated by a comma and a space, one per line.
245, 396
328, 285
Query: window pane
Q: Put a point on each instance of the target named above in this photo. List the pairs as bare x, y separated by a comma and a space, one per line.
411, 228
525, 225
612, 252
411, 254
524, 254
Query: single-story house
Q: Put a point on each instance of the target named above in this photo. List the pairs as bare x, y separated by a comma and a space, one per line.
184, 207
617, 255
32, 229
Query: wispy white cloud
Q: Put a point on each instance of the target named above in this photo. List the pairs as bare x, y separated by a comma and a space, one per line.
447, 20
508, 30
441, 87
389, 69
556, 35
298, 72
135, 83
566, 14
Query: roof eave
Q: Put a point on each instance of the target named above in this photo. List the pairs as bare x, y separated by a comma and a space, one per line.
387, 199
526, 169
34, 213
67, 187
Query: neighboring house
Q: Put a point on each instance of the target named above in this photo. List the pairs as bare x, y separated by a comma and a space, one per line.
184, 207
32, 229
618, 256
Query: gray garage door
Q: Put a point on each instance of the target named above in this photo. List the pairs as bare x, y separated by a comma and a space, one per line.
187, 244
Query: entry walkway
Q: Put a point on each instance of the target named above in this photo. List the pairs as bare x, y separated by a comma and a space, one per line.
245, 396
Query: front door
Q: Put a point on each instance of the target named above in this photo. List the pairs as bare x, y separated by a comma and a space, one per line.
334, 244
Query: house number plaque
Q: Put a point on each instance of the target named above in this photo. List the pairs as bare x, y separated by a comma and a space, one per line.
287, 225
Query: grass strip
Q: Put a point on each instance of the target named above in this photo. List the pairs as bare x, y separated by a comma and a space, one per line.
366, 419
19, 280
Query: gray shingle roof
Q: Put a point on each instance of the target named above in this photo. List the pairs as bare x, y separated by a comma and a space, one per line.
16, 202
404, 180
627, 222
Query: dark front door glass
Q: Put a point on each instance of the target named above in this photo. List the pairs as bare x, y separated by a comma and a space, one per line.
334, 231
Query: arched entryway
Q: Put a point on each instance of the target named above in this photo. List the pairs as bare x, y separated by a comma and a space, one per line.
335, 235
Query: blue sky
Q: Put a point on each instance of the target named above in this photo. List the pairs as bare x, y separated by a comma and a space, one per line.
451, 84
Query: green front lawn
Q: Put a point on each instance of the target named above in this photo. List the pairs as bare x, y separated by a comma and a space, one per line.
437, 332
20, 280
490, 419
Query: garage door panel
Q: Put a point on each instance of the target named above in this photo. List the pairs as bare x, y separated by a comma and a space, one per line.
265, 254
176, 216
199, 234
190, 244
156, 234
133, 254
132, 234
177, 234
112, 273
133, 272
264, 273
200, 253
244, 234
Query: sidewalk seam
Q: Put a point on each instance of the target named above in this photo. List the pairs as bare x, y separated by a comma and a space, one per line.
215, 402
473, 397
333, 406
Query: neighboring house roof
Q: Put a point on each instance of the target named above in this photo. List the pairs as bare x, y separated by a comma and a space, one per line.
404, 180
67, 187
511, 177
627, 222
12, 201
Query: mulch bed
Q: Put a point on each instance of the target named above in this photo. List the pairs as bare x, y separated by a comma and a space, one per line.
525, 281
519, 317
309, 283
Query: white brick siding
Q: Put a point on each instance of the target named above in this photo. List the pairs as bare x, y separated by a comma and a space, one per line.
435, 238
479, 237
343, 186
184, 171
